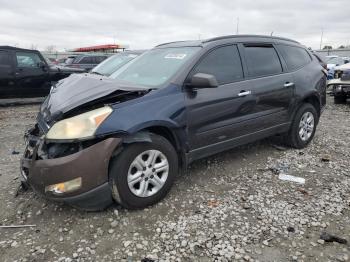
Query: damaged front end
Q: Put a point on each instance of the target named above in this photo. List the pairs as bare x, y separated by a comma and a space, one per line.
64, 159
75, 172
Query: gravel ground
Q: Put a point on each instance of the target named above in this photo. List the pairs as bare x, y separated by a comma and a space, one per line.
228, 207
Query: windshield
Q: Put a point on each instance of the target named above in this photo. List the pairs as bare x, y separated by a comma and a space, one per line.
336, 61
156, 66
112, 64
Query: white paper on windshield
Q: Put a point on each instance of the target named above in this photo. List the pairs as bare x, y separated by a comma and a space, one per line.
175, 56
132, 56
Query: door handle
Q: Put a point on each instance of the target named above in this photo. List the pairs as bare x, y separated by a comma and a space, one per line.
288, 84
244, 93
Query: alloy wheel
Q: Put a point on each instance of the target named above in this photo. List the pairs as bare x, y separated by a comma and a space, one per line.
148, 173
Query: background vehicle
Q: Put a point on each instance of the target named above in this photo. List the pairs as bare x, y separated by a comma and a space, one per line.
340, 85
25, 73
334, 61
86, 62
174, 104
113, 63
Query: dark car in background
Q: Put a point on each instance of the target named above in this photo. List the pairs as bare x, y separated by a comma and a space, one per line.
86, 62
113, 63
126, 136
25, 73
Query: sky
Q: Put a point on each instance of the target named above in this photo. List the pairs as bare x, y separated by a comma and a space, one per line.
143, 24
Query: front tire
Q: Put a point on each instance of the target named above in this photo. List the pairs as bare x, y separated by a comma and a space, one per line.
303, 126
143, 173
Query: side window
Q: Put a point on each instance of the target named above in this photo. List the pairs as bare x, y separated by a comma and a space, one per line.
99, 59
4, 59
87, 60
295, 57
224, 63
262, 60
30, 60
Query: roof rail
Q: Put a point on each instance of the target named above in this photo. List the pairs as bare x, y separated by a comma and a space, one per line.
239, 36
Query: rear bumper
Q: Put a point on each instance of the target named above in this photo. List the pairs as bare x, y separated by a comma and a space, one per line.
90, 164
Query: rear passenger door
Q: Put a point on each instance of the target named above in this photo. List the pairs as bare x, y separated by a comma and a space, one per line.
272, 87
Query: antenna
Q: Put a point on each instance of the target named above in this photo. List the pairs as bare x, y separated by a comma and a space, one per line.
237, 29
321, 38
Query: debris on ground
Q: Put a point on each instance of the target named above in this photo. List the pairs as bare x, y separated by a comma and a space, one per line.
332, 238
290, 178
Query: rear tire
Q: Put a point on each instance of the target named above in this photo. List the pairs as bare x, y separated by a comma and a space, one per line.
339, 99
143, 173
303, 127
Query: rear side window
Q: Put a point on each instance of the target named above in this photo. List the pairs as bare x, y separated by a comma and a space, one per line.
4, 58
224, 63
262, 60
87, 60
295, 57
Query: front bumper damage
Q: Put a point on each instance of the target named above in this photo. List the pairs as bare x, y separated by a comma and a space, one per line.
90, 163
339, 87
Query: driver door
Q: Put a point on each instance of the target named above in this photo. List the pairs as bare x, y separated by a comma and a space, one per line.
215, 115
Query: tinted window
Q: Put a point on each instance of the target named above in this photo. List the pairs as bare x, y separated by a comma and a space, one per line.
99, 59
224, 63
87, 60
25, 59
262, 60
4, 58
295, 57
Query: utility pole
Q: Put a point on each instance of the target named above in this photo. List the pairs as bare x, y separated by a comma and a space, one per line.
321, 38
237, 29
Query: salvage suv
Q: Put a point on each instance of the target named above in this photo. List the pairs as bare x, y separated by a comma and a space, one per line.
125, 137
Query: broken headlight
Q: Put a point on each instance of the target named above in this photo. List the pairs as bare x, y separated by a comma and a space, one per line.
80, 126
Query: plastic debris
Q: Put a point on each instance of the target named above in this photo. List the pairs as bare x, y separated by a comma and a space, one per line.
17, 226
290, 178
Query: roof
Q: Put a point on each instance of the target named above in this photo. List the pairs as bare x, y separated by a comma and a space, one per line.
17, 48
202, 42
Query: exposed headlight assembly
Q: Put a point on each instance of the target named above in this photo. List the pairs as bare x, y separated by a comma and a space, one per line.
80, 126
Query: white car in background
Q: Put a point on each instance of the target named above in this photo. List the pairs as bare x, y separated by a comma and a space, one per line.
340, 84
334, 61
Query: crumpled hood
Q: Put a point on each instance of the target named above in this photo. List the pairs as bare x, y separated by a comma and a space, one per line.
79, 89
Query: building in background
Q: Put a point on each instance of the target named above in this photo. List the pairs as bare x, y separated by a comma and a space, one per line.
102, 48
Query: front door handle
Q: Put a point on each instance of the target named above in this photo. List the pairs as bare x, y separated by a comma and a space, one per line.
244, 93
288, 84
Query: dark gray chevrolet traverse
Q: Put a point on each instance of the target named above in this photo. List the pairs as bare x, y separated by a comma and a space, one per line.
124, 137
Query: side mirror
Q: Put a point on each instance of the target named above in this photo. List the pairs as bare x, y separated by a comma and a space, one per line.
42, 65
201, 80
346, 61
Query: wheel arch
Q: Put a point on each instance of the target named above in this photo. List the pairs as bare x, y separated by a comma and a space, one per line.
314, 100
